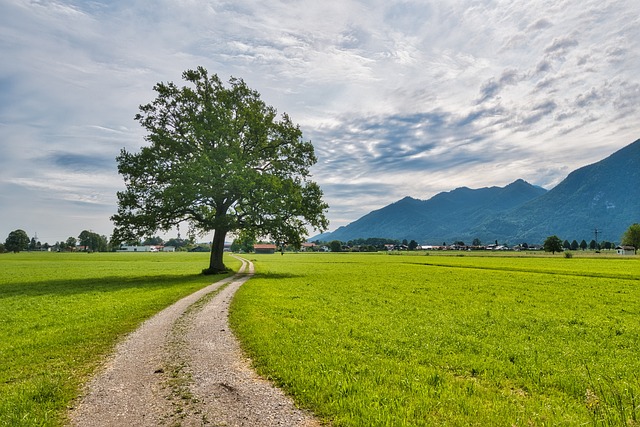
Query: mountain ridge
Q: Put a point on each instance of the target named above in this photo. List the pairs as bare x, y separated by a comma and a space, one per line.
604, 195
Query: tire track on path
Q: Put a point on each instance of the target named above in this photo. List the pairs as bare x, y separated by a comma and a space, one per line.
184, 367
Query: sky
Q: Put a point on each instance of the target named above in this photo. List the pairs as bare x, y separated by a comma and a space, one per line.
399, 98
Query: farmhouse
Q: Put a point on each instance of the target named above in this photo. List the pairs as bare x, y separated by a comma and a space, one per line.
625, 250
307, 246
264, 248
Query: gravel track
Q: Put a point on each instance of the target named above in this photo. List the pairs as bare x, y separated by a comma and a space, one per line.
184, 367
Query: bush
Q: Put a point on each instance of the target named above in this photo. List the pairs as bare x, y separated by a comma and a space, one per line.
568, 254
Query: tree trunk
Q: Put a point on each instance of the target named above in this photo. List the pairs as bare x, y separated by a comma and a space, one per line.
216, 265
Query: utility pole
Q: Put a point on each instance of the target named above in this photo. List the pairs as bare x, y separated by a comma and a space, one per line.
597, 231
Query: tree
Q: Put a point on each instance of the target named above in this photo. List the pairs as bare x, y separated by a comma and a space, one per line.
335, 246
566, 245
574, 245
177, 242
71, 243
153, 241
476, 242
220, 160
17, 241
33, 244
242, 244
413, 245
593, 245
93, 241
583, 244
552, 244
631, 237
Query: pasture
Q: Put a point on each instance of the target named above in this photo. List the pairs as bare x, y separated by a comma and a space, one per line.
381, 340
62, 313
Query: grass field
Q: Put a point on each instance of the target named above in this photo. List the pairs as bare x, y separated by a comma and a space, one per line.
380, 340
61, 313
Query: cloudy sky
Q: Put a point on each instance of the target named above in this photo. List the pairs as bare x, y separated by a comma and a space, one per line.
400, 98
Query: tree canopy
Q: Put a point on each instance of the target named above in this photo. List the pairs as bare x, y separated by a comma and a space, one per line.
552, 244
631, 237
17, 241
220, 160
335, 246
92, 241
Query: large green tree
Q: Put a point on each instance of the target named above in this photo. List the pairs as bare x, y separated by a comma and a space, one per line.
92, 241
17, 241
631, 237
221, 160
552, 244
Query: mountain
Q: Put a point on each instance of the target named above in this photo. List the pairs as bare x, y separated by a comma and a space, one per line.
445, 217
603, 196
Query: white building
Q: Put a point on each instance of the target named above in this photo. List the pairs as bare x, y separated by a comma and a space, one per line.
625, 250
145, 248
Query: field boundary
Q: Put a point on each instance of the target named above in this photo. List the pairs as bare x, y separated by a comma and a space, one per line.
524, 270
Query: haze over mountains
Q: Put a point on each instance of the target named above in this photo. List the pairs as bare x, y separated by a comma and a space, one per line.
603, 196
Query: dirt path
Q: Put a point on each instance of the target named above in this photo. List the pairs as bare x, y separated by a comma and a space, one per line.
184, 367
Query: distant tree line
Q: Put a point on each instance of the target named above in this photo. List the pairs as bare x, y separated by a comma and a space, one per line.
631, 237
371, 244
553, 244
86, 241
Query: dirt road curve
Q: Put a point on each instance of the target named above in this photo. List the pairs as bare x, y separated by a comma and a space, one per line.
183, 367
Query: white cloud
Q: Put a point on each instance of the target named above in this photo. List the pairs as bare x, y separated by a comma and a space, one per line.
400, 98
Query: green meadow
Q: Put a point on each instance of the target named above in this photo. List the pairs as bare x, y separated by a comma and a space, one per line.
62, 313
382, 340
361, 339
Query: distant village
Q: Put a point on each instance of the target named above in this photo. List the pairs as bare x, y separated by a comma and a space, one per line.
91, 242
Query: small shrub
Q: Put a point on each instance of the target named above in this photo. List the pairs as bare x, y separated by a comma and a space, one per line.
568, 254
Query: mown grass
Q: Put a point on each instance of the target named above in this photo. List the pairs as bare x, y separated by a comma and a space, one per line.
61, 314
383, 340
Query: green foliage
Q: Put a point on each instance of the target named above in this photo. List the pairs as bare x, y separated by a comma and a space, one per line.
376, 340
62, 313
243, 244
71, 243
335, 246
93, 242
631, 237
34, 245
17, 241
153, 241
178, 243
552, 244
378, 242
220, 160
